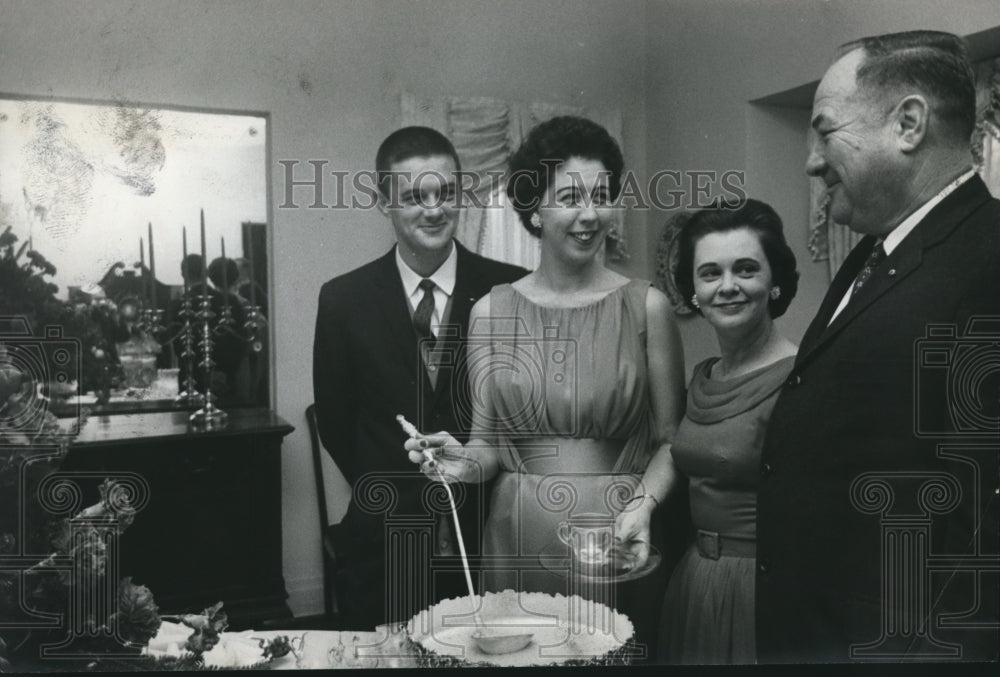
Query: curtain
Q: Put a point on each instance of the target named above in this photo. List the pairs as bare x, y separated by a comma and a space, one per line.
831, 242
486, 132
986, 137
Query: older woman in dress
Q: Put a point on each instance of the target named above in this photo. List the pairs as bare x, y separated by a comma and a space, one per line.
736, 270
577, 370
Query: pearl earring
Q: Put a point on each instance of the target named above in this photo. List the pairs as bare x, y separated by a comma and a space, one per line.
694, 301
775, 293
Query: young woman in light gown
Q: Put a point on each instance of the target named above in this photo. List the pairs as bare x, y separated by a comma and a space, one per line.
577, 374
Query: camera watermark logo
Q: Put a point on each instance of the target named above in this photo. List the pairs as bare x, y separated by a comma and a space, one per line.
32, 369
84, 562
966, 366
940, 565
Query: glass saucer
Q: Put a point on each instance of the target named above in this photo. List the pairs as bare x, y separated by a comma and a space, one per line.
556, 557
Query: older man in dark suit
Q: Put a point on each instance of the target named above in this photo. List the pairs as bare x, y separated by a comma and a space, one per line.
877, 513
389, 341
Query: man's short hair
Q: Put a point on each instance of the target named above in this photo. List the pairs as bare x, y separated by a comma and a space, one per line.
407, 143
191, 267
933, 62
223, 273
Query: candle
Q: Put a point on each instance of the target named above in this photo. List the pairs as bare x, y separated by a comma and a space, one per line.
225, 282
204, 257
142, 268
252, 281
152, 268
184, 244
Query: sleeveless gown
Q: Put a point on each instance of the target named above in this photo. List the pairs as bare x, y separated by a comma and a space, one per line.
708, 611
567, 397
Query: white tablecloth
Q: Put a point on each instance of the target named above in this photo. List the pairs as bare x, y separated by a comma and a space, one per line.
313, 649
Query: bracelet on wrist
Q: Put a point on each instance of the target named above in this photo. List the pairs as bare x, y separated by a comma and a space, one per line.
655, 500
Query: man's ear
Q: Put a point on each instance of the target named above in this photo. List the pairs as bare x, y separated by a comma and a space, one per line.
382, 204
911, 117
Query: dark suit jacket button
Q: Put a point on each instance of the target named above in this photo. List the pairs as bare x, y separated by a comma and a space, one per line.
763, 566
793, 381
765, 470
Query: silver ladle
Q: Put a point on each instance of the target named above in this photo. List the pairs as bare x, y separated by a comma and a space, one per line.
489, 640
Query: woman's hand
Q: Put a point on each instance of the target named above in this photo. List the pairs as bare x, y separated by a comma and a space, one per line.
441, 457
632, 531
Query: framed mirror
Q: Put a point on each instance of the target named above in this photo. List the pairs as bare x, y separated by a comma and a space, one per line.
104, 201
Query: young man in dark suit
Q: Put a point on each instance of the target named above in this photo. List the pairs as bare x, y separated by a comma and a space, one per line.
389, 340
877, 511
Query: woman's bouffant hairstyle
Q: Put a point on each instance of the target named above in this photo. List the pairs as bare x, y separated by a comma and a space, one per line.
721, 217
550, 144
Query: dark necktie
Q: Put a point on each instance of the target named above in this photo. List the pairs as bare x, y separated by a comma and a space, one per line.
422, 323
424, 311
874, 260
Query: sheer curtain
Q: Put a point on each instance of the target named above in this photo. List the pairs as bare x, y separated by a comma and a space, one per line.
986, 138
486, 132
831, 242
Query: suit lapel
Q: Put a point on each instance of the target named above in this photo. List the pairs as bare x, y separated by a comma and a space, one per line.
838, 287
462, 299
896, 267
390, 299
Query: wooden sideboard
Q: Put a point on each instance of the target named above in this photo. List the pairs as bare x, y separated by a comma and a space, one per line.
211, 527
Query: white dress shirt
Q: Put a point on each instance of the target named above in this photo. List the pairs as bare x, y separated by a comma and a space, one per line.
444, 285
899, 233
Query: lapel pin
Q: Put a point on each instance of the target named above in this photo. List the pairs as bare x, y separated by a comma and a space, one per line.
892, 272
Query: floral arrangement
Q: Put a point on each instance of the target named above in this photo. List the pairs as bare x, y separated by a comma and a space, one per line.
29, 294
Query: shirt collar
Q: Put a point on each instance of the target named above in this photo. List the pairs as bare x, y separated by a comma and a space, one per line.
893, 239
443, 277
